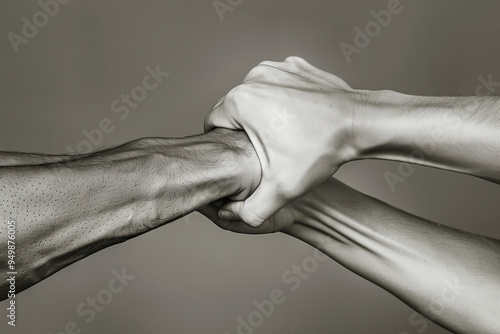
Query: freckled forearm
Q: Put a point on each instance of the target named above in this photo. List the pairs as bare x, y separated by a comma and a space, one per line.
65, 212
68, 210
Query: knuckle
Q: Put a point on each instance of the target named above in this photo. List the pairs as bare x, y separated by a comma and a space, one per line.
243, 93
295, 60
235, 95
292, 59
257, 72
239, 99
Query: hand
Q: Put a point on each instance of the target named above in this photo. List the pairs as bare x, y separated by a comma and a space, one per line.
301, 211
281, 221
300, 122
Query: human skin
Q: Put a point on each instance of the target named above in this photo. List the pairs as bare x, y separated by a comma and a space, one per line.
69, 206
305, 123
450, 276
137, 187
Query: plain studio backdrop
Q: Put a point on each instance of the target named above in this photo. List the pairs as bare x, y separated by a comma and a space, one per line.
59, 81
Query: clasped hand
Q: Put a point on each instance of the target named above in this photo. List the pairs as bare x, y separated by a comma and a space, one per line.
300, 122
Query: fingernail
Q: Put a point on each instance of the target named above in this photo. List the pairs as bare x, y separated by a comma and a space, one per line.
228, 215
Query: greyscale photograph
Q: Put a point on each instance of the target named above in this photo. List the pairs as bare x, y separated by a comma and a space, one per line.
250, 167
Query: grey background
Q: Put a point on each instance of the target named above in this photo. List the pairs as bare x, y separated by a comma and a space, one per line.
192, 277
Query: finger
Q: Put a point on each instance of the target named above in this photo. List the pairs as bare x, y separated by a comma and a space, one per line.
294, 60
219, 118
256, 209
219, 102
299, 64
296, 63
237, 226
261, 73
211, 212
271, 63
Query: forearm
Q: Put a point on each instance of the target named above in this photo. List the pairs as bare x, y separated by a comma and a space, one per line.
68, 210
461, 134
22, 159
445, 274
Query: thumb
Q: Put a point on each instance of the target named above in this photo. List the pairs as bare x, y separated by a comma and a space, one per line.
256, 209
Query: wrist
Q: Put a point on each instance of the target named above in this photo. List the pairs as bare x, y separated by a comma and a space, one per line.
244, 164
199, 169
237, 170
231, 160
376, 122
356, 134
